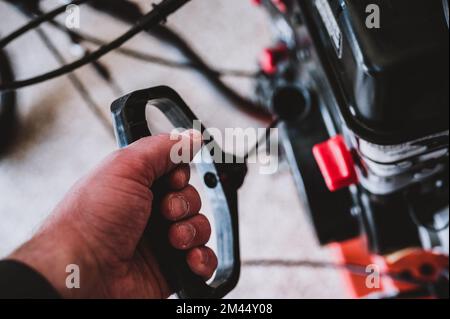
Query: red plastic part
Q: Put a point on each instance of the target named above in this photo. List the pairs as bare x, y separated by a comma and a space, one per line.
426, 266
411, 261
281, 4
355, 252
271, 57
336, 163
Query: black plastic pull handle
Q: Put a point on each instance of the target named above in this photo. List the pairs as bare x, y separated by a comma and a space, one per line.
129, 113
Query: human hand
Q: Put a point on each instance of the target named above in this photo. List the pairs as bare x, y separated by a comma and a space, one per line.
100, 225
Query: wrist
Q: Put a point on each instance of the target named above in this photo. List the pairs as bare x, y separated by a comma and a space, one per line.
62, 258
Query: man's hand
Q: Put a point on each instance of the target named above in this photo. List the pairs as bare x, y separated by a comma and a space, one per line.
100, 224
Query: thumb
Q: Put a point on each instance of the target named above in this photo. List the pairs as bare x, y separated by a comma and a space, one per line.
154, 156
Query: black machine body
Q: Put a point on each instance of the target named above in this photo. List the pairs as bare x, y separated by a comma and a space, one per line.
377, 74
388, 62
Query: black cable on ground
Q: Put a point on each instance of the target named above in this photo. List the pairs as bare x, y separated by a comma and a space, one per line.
129, 12
266, 138
37, 21
8, 107
255, 110
148, 21
78, 84
78, 36
130, 15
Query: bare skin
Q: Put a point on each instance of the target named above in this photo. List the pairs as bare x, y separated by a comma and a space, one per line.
100, 224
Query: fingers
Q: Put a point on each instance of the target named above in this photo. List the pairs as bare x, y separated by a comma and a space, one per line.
202, 261
178, 178
193, 232
182, 204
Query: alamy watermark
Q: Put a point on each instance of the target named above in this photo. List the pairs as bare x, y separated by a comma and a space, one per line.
373, 20
373, 279
210, 144
73, 17
73, 279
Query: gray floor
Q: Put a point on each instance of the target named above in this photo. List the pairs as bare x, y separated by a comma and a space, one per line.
60, 139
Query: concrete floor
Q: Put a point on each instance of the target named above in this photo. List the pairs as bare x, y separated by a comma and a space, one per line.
60, 139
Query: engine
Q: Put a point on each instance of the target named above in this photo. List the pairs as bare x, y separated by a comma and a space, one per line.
361, 87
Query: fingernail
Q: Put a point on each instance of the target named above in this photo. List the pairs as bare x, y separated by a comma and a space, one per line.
187, 234
205, 258
179, 207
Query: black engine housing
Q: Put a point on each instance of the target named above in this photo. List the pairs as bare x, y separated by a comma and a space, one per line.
391, 82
